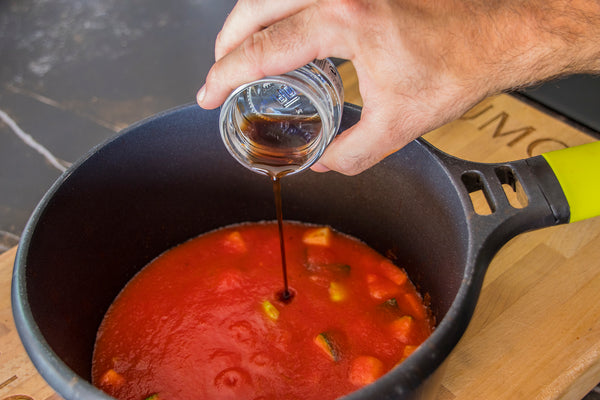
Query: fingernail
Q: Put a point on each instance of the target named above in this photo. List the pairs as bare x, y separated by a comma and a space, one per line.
201, 94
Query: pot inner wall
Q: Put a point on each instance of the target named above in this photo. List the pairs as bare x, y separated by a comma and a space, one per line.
170, 179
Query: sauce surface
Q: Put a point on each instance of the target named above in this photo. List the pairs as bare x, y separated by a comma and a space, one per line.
206, 320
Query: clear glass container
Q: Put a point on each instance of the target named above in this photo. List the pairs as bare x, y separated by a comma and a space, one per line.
280, 125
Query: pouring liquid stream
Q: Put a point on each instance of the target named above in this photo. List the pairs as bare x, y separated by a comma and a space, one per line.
281, 125
280, 145
286, 295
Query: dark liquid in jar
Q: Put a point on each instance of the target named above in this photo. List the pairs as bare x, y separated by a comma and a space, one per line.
279, 144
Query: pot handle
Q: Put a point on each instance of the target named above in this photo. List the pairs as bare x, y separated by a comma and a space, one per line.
578, 172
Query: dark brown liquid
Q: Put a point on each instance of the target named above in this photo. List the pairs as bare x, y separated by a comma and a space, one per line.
279, 144
286, 295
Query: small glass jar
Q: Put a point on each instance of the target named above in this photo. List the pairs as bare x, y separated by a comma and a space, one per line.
280, 125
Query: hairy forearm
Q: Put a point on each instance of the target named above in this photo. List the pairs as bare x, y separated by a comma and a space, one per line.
573, 27
538, 40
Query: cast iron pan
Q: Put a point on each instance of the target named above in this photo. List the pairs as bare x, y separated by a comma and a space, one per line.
169, 178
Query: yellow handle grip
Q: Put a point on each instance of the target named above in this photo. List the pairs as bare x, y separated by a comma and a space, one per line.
578, 172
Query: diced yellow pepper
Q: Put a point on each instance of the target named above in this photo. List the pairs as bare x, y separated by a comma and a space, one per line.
337, 292
153, 396
270, 310
317, 237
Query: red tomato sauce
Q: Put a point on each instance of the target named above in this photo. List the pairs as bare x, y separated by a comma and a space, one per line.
204, 320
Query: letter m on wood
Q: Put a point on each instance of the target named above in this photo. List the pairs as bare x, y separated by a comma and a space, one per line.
499, 131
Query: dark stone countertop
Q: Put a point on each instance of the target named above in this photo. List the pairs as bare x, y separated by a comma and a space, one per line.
75, 72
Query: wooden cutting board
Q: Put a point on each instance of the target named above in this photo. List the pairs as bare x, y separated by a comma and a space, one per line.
536, 329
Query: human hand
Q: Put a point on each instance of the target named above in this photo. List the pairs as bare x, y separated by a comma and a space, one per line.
419, 64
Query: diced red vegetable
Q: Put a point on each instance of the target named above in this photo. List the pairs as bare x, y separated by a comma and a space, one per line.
112, 378
235, 242
393, 273
403, 328
365, 370
408, 350
381, 288
415, 305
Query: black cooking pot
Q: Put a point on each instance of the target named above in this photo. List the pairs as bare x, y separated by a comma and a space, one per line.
169, 178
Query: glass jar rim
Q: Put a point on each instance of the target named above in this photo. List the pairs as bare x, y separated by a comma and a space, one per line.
307, 90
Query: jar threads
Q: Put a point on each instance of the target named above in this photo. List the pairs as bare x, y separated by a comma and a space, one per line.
281, 125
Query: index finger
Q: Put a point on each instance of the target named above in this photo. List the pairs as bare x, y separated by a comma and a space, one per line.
250, 16
280, 48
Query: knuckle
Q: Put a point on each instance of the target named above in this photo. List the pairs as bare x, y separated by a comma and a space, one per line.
350, 9
220, 39
217, 78
351, 163
221, 46
213, 75
254, 49
246, 7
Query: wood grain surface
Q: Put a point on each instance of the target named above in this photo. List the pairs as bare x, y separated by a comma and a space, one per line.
19, 379
536, 329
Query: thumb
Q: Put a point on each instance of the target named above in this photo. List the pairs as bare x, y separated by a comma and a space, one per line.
362, 146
